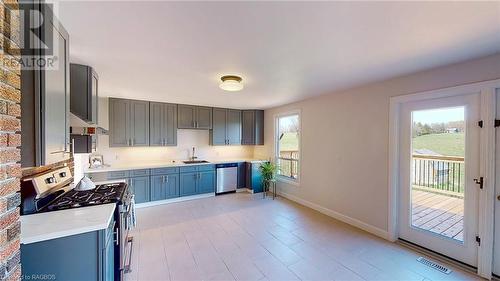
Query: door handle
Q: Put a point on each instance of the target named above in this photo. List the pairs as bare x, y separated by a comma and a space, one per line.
128, 268
117, 235
480, 182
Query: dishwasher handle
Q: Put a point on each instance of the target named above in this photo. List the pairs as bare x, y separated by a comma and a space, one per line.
226, 165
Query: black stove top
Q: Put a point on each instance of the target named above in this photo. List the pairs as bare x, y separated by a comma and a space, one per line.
102, 194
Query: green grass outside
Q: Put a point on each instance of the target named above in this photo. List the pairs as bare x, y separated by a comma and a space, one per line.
449, 144
289, 142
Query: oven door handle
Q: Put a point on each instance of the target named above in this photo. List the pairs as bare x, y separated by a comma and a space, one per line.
127, 268
117, 236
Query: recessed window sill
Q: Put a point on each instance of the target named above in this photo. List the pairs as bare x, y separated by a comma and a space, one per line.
288, 181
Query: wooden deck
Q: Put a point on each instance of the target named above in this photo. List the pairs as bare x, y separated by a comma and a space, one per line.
438, 213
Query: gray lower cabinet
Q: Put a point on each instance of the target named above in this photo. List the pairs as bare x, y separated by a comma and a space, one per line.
206, 182
226, 127
242, 172
252, 127
140, 187
163, 183
194, 117
164, 187
188, 183
163, 124
86, 256
128, 123
197, 180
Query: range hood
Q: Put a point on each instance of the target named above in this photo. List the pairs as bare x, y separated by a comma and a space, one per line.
80, 127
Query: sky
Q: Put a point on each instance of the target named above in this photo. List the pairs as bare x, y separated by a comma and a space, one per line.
442, 115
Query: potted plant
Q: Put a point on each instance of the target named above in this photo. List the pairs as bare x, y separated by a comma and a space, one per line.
268, 170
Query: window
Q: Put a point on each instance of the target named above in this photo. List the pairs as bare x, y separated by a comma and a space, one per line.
288, 145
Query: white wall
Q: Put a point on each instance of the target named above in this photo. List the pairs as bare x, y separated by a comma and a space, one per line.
344, 167
186, 139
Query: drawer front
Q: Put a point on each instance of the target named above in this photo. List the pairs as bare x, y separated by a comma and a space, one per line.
118, 175
203, 168
189, 169
139, 173
164, 171
95, 177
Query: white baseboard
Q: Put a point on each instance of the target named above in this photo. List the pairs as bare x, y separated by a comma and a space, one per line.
244, 189
173, 200
341, 217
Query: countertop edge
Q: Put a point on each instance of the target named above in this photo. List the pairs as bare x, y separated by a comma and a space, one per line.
167, 165
67, 232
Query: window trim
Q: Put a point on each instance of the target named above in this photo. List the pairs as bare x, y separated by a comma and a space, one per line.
277, 116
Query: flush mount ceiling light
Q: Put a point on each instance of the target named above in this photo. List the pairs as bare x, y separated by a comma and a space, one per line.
231, 83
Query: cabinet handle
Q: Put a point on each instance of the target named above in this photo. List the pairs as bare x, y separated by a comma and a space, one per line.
163, 142
117, 235
133, 141
167, 179
162, 178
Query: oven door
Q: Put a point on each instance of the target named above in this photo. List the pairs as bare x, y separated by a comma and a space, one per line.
126, 240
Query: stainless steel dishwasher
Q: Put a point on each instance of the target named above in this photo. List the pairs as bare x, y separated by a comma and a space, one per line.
227, 177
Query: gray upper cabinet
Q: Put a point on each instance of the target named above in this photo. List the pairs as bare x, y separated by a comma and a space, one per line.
128, 123
226, 128
139, 111
46, 97
233, 127
119, 113
252, 127
194, 117
84, 92
186, 116
163, 124
218, 132
203, 117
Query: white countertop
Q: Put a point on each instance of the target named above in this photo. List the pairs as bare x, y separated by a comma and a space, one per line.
163, 164
57, 224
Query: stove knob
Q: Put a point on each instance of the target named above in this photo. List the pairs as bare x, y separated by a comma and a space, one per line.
50, 180
62, 174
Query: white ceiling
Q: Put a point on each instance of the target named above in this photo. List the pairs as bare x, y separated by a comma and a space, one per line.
285, 51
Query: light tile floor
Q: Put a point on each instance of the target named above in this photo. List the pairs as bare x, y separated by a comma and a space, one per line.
244, 237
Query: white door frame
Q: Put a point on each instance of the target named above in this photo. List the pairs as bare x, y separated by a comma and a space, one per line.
487, 160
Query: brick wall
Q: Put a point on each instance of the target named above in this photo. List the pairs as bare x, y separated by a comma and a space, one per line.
10, 142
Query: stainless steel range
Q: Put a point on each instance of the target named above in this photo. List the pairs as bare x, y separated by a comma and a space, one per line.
51, 191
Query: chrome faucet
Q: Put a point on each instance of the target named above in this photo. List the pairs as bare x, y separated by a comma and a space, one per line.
193, 157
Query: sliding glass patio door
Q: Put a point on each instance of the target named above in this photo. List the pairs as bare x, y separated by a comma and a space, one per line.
439, 166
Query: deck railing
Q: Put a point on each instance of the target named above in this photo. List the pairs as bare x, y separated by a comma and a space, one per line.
288, 162
439, 173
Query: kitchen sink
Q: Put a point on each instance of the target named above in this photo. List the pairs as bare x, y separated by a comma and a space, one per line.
194, 162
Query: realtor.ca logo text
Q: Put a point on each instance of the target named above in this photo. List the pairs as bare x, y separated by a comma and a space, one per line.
32, 43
